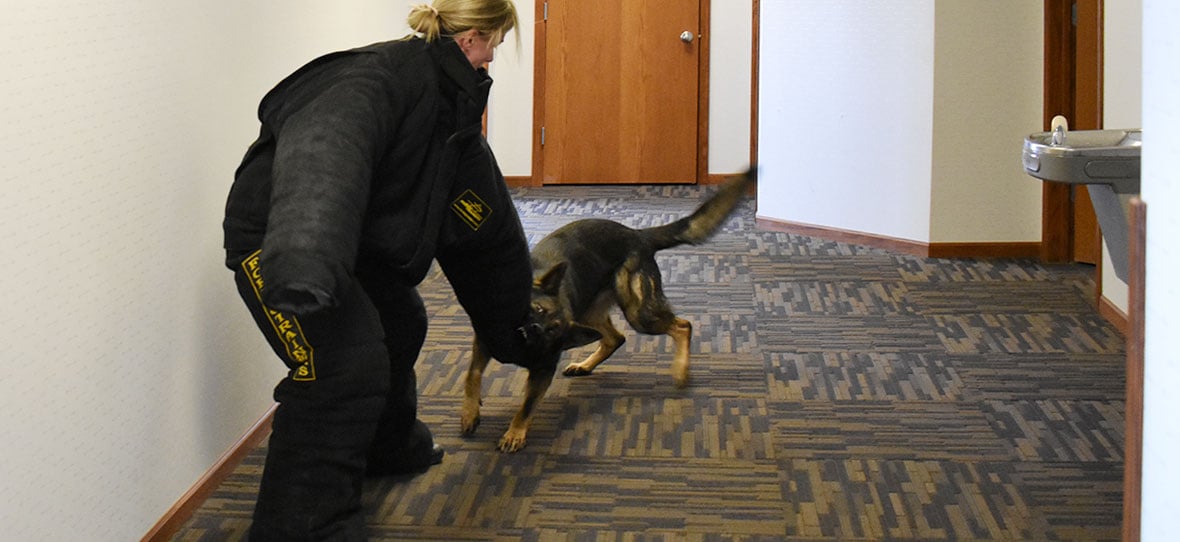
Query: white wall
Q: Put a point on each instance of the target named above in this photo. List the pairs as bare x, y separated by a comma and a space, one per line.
131, 365
1161, 192
846, 115
988, 94
885, 118
1122, 100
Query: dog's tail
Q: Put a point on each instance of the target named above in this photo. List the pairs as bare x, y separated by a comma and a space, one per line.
704, 222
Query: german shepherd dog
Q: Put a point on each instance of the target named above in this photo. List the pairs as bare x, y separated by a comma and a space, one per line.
580, 272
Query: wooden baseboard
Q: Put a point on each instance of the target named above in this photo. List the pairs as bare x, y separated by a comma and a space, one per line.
520, 181
526, 181
1111, 313
1029, 249
188, 504
904, 246
1135, 334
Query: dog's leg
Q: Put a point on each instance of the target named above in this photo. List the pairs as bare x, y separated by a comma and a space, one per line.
538, 384
610, 342
598, 318
641, 296
681, 333
473, 388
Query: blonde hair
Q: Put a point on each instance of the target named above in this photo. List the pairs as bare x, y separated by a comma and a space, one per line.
492, 18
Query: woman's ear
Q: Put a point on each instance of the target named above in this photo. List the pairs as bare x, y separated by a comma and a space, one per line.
466, 39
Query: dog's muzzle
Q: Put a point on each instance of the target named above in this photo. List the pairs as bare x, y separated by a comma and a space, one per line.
531, 332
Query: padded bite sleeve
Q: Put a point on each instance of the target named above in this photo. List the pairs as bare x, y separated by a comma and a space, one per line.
487, 263
324, 160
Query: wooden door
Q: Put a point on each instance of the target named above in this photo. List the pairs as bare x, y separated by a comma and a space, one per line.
622, 91
1073, 88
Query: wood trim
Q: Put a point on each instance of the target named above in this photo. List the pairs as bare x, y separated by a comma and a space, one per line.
705, 45
1030, 250
904, 246
538, 173
1056, 213
756, 28
520, 181
188, 504
1113, 314
1088, 66
1133, 410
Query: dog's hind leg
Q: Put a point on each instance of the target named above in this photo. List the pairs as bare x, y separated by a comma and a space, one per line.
641, 295
598, 318
681, 333
473, 388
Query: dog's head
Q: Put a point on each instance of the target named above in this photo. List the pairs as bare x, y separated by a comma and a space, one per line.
550, 326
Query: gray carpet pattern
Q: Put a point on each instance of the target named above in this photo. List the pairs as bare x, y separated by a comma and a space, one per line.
838, 392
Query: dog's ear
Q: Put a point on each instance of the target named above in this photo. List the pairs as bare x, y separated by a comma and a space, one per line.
550, 281
579, 335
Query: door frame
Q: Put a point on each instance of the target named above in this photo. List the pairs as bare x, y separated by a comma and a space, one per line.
1072, 87
704, 40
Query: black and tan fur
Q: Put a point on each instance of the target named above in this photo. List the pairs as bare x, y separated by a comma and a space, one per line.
581, 271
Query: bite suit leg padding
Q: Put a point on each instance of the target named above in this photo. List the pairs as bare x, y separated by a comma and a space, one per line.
326, 418
402, 443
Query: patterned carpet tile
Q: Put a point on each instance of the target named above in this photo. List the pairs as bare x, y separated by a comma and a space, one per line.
1073, 501
676, 496
934, 270
944, 431
649, 375
837, 392
882, 333
1036, 333
871, 499
712, 268
468, 489
862, 376
845, 298
777, 246
1068, 376
997, 297
834, 268
700, 428
626, 411
1059, 430
576, 534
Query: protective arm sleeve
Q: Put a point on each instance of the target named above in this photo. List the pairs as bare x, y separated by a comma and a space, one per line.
324, 160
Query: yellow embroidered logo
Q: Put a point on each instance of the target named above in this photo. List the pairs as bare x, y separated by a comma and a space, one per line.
286, 327
471, 209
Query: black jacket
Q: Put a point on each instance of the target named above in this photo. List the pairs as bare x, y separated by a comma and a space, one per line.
374, 158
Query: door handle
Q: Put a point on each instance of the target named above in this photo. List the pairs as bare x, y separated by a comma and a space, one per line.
686, 36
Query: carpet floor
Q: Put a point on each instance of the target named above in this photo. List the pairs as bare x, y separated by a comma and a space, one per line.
838, 392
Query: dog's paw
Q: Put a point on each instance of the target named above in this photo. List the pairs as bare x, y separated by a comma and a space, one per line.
511, 442
576, 370
468, 423
680, 378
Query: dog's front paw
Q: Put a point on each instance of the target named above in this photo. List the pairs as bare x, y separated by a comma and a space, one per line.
469, 420
512, 441
574, 369
680, 376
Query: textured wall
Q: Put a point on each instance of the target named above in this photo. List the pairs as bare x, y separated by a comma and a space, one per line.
1161, 191
130, 364
846, 115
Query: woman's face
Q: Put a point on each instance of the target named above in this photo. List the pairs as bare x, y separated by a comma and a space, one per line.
478, 47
